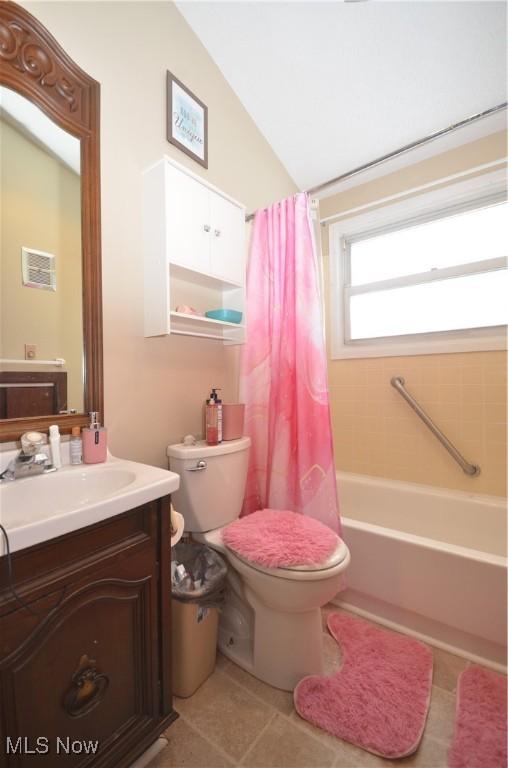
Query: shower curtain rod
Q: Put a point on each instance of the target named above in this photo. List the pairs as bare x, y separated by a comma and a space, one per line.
401, 150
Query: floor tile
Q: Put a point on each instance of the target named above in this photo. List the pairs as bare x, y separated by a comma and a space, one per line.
349, 756
441, 717
430, 754
332, 658
330, 741
188, 749
447, 669
283, 745
280, 700
346, 754
226, 714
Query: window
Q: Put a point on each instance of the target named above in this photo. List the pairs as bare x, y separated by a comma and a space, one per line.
433, 280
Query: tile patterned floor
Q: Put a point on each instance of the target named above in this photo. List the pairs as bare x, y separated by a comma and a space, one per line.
236, 720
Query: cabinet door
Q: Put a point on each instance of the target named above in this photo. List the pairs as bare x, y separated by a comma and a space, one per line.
86, 680
188, 220
228, 235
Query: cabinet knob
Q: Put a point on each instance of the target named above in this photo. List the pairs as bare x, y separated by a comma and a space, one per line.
217, 232
206, 227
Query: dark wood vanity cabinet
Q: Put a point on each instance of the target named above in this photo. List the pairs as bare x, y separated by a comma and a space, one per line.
90, 662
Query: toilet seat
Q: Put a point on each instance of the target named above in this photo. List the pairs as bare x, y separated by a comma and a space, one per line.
338, 560
296, 572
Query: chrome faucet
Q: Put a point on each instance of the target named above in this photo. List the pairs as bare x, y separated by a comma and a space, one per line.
31, 460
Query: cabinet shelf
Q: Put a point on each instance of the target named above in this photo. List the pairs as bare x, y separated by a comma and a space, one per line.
182, 324
215, 336
199, 320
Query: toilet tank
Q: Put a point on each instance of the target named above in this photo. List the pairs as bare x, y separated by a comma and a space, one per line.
210, 494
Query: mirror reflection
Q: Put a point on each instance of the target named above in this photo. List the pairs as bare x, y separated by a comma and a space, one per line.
41, 313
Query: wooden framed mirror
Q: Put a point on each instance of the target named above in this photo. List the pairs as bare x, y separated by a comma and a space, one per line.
37, 76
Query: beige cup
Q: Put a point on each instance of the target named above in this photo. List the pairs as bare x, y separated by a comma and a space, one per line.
233, 415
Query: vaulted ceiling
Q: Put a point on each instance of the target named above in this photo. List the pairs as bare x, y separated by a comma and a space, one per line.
333, 85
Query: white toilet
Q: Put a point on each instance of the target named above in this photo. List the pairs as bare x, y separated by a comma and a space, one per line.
271, 623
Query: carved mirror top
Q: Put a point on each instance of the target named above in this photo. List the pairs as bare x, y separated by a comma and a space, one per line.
30, 51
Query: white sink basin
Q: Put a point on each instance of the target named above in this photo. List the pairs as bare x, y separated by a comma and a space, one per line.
36, 509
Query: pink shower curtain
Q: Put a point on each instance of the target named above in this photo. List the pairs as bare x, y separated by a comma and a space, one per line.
284, 372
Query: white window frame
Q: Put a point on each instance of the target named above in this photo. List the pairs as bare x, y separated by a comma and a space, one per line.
480, 190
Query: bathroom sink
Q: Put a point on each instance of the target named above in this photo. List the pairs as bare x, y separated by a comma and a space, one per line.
36, 509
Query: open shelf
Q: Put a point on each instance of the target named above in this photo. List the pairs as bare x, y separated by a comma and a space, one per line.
198, 320
203, 279
216, 336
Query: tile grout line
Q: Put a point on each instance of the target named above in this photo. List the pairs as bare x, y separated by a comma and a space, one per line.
320, 739
230, 760
258, 738
187, 719
287, 717
248, 690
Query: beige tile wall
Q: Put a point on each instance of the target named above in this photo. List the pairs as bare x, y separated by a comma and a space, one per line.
375, 431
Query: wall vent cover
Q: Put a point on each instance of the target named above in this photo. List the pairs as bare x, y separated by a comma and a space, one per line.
38, 269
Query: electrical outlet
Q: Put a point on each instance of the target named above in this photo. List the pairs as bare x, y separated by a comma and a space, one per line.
30, 351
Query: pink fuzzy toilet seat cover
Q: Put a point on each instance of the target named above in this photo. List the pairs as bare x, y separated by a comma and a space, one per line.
277, 538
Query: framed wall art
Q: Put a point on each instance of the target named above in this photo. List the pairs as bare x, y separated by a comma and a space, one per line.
187, 121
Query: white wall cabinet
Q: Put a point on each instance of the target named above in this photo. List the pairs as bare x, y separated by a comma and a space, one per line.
194, 254
228, 239
187, 204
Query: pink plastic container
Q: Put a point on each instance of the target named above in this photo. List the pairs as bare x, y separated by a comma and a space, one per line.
233, 415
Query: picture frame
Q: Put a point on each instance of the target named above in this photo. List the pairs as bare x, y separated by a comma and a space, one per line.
187, 120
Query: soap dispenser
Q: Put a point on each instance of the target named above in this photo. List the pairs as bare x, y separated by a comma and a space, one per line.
94, 441
213, 419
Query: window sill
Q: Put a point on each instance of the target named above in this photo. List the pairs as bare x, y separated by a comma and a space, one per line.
469, 341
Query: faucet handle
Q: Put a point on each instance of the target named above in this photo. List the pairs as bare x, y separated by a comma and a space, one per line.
31, 442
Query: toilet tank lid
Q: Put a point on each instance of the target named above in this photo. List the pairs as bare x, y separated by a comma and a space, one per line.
202, 450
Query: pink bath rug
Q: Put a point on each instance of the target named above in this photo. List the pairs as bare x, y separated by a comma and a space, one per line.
277, 538
379, 698
480, 723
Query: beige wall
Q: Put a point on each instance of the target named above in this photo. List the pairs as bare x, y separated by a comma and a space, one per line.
154, 388
375, 432
40, 209
489, 149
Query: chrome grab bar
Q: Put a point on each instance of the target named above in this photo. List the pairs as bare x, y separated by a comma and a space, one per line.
472, 470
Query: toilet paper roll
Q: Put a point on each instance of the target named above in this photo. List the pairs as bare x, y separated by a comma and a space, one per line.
177, 526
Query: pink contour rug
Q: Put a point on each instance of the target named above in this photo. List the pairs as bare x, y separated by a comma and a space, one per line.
480, 725
379, 698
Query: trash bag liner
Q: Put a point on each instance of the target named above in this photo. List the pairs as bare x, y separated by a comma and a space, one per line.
204, 579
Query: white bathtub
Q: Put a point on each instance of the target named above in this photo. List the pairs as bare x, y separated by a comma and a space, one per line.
428, 561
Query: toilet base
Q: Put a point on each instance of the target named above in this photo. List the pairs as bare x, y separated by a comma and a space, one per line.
287, 646
277, 647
